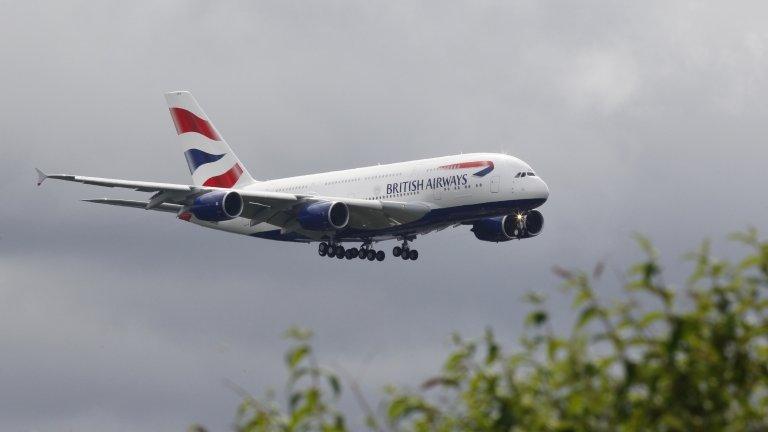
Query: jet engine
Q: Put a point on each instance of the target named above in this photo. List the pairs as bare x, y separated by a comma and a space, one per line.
533, 224
503, 228
217, 206
324, 216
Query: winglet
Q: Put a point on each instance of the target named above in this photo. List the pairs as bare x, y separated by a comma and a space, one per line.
41, 176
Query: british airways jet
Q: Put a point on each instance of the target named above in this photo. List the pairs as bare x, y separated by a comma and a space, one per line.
495, 194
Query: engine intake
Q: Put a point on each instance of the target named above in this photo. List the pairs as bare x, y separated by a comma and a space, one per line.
217, 206
534, 224
503, 228
324, 216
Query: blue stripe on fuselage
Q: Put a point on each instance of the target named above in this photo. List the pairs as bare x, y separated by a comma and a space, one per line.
436, 217
196, 157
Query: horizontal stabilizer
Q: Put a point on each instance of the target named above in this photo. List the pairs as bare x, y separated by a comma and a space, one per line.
170, 208
41, 176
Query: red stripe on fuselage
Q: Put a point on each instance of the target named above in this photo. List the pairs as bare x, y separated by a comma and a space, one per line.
186, 121
462, 165
227, 179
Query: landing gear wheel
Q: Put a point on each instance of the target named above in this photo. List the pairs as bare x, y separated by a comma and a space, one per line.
371, 254
380, 256
396, 251
362, 254
349, 254
340, 252
331, 251
322, 249
413, 255
405, 253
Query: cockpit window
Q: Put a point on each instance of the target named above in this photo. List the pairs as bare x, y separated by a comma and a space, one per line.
531, 174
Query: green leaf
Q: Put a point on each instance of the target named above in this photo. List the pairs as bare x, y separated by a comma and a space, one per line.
536, 318
333, 381
296, 355
587, 315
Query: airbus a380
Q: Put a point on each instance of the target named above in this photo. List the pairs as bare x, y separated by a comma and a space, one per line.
495, 194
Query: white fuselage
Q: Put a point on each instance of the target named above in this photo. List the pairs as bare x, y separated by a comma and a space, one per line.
449, 185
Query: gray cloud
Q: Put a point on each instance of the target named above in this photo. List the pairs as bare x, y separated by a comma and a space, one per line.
641, 117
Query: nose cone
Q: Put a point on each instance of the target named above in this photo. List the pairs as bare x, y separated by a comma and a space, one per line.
542, 190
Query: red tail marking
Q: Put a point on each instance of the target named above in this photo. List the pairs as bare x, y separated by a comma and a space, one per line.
226, 179
186, 121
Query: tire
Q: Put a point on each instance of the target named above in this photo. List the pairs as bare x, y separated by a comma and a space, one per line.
362, 254
322, 249
354, 252
340, 250
371, 255
405, 254
380, 255
396, 251
413, 255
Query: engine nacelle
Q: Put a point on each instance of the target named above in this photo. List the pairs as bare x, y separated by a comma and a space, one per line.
217, 206
495, 229
324, 216
503, 228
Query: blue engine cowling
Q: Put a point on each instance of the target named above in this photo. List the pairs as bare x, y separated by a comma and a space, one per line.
495, 229
324, 216
503, 228
217, 206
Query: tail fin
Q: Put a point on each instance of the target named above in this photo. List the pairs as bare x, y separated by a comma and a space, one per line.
211, 161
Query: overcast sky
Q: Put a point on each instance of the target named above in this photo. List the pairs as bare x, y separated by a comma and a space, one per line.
641, 116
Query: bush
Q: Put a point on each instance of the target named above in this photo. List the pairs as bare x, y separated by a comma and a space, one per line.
656, 359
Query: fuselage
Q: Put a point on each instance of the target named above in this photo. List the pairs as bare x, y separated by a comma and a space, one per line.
457, 189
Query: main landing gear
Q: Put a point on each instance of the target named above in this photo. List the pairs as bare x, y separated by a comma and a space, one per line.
405, 252
364, 252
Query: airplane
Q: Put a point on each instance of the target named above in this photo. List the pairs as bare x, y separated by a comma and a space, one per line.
496, 194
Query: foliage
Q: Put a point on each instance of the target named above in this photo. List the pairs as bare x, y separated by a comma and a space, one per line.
656, 359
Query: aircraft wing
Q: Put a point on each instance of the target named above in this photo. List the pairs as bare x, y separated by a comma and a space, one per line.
276, 208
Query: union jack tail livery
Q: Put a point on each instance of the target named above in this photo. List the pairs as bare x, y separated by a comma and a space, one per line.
211, 161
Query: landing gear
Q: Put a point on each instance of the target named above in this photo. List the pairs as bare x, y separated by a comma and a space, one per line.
405, 252
351, 253
333, 250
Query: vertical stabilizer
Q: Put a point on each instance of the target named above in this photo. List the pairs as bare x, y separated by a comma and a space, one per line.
210, 159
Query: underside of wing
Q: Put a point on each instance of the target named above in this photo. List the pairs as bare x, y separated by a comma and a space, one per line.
275, 208
164, 207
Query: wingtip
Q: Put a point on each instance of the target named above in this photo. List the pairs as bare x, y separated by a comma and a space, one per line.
41, 176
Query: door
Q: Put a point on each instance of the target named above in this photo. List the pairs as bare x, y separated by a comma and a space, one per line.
495, 184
